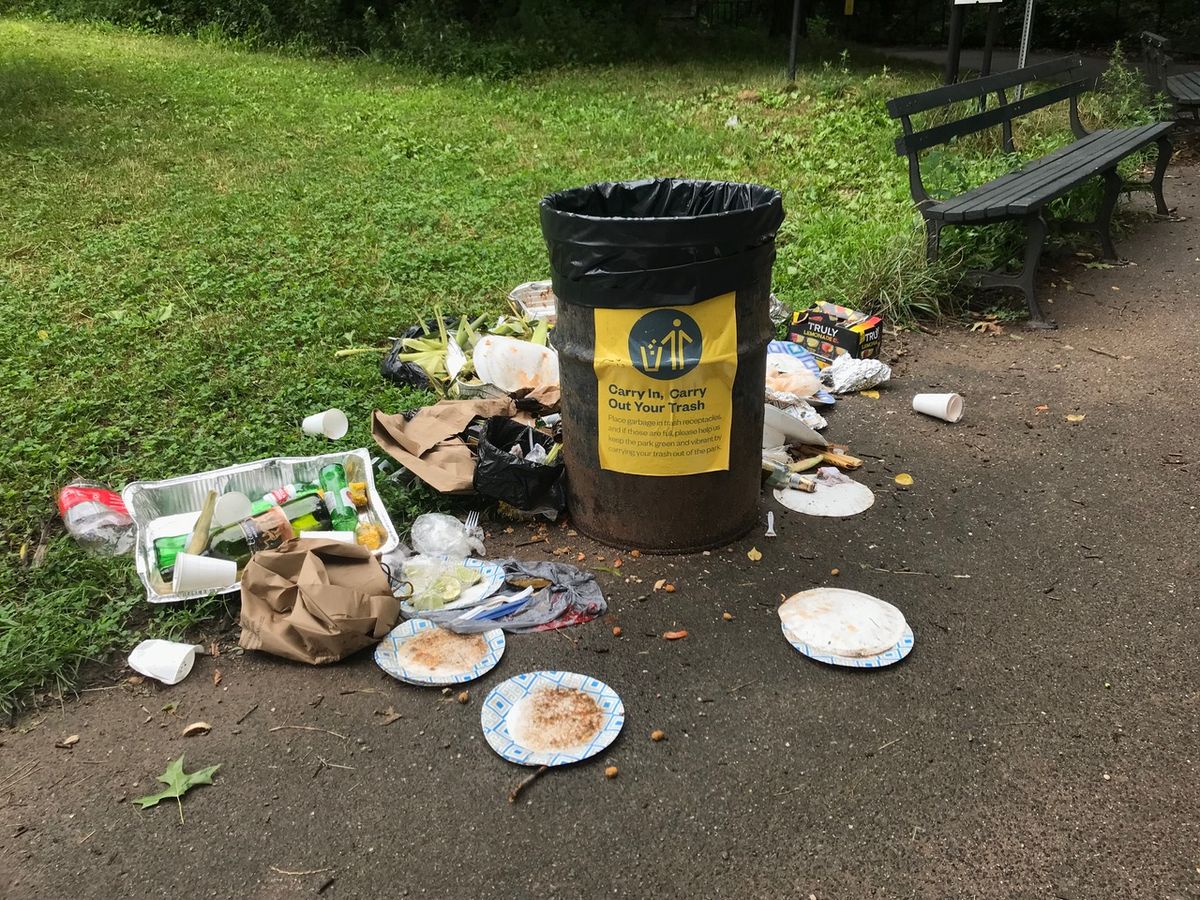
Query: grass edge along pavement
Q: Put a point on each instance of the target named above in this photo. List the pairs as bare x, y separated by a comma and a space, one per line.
193, 230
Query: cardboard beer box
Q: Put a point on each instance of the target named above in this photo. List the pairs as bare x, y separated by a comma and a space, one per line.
828, 331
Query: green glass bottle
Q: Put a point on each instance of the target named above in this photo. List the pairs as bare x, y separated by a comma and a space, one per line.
337, 496
270, 529
165, 551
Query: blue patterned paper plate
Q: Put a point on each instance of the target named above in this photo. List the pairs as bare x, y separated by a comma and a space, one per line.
825, 624
511, 727
410, 653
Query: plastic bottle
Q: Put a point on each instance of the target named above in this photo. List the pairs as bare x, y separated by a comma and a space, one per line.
96, 516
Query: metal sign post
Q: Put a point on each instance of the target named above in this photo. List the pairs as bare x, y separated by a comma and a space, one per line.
1026, 28
954, 49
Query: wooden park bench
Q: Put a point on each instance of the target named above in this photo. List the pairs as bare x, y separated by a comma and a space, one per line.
1024, 194
1182, 90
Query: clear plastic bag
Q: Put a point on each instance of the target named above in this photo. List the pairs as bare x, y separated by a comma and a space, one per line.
96, 517
437, 534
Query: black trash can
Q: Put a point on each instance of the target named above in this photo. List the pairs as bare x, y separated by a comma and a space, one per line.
662, 333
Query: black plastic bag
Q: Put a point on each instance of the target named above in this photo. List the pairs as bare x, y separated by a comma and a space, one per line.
500, 475
406, 373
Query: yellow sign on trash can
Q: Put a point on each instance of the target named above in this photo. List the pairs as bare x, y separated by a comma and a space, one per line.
665, 387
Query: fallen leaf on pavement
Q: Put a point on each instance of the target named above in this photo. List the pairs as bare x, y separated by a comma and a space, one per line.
870, 395
68, 742
196, 729
754, 554
178, 783
904, 479
389, 715
214, 649
216, 677
674, 635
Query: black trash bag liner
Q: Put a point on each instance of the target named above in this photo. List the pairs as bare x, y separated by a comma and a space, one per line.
500, 475
661, 242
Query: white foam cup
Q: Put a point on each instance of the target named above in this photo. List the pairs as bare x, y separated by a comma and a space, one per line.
202, 573
947, 407
166, 661
332, 423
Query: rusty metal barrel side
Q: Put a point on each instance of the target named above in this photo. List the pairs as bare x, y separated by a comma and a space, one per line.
658, 257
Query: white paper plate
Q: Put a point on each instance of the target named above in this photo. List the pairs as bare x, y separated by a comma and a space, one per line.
829, 500
845, 628
419, 652
591, 712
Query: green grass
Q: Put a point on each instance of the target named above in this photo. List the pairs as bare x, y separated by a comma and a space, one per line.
191, 232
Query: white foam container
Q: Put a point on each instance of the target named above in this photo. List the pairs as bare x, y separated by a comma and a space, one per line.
170, 507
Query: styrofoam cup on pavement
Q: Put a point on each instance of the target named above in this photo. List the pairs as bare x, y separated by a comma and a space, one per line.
332, 423
346, 537
231, 508
166, 661
947, 407
202, 573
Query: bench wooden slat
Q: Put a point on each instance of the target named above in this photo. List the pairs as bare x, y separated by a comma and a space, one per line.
940, 134
996, 194
1048, 178
995, 204
977, 87
1071, 170
1122, 144
1184, 87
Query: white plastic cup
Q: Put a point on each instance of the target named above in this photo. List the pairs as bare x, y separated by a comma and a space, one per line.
165, 661
346, 537
947, 407
202, 573
332, 423
230, 508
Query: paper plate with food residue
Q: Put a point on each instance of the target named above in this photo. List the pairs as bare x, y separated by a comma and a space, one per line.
551, 718
845, 628
830, 500
419, 652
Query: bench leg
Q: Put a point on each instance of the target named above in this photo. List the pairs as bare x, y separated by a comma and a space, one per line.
1036, 230
1035, 239
933, 239
1112, 191
1160, 171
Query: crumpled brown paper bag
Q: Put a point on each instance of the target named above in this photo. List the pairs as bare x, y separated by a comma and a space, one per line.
428, 445
315, 601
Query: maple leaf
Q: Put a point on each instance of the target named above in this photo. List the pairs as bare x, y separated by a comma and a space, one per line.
178, 783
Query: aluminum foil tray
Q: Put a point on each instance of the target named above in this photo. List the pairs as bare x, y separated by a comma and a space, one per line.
163, 508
